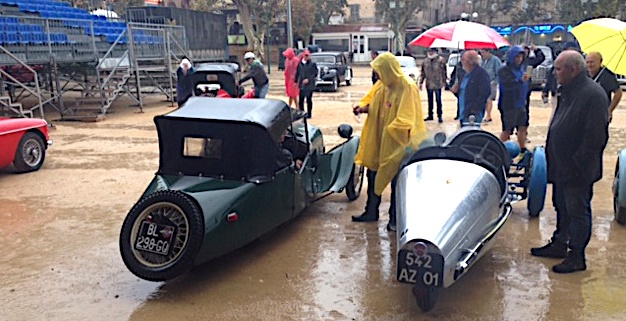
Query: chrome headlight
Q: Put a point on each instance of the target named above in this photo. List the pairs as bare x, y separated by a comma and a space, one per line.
325, 70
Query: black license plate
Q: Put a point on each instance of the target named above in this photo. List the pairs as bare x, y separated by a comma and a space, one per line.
426, 270
155, 238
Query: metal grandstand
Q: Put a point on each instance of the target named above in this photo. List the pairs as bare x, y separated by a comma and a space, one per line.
52, 54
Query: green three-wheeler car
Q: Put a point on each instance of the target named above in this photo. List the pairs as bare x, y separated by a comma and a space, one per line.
230, 170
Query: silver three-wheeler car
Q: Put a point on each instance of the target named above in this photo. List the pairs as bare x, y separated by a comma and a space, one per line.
452, 198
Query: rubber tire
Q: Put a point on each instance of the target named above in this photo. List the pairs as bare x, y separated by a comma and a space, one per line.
335, 86
538, 182
354, 190
19, 163
620, 211
185, 260
349, 82
426, 296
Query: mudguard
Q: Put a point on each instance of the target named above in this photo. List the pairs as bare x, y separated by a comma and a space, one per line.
334, 167
619, 188
538, 182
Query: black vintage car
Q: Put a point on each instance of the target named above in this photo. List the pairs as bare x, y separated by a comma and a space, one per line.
215, 80
332, 69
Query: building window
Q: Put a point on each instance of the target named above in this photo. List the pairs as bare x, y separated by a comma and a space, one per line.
354, 12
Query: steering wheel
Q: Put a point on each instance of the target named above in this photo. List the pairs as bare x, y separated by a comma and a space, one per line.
482, 155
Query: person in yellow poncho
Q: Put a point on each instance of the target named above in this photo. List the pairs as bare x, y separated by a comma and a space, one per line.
394, 125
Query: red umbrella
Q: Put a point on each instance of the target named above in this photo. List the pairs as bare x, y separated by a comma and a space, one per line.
462, 35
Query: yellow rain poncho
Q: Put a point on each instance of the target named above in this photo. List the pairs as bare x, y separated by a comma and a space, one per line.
394, 122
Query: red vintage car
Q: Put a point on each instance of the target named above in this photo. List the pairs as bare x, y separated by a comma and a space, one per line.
23, 143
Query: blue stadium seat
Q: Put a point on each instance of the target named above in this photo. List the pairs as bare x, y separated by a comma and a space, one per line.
40, 38
12, 39
3, 38
26, 37
12, 28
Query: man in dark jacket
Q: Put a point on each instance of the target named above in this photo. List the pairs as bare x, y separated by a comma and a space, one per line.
575, 144
514, 82
455, 79
257, 74
474, 89
374, 54
534, 61
305, 78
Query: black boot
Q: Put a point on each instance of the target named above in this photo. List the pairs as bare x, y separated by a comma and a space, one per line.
573, 263
373, 201
553, 250
366, 217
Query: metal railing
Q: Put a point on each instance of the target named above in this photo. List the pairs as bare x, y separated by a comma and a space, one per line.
36, 92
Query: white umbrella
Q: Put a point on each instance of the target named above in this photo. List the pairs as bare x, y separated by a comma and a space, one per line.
105, 13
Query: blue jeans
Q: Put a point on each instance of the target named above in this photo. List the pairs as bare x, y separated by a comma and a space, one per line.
573, 216
262, 91
437, 95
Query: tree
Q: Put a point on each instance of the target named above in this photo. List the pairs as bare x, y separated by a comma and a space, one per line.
207, 5
326, 8
302, 19
575, 11
489, 9
531, 10
398, 13
255, 16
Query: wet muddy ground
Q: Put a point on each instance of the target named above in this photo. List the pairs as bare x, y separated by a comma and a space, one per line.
60, 227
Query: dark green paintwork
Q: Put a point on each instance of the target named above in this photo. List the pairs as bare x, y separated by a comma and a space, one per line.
264, 206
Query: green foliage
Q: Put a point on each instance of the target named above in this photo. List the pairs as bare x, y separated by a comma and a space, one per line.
574, 11
325, 9
531, 12
207, 5
398, 13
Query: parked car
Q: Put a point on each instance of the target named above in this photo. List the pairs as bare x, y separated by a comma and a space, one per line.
409, 67
230, 170
332, 69
215, 79
439, 241
23, 143
621, 79
540, 74
453, 60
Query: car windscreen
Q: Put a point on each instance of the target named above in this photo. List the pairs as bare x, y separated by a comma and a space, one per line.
323, 59
224, 80
407, 62
453, 61
546, 52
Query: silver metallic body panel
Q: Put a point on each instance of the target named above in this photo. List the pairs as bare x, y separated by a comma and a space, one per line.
449, 203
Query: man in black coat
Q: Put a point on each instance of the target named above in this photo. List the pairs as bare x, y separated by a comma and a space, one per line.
305, 78
575, 144
534, 61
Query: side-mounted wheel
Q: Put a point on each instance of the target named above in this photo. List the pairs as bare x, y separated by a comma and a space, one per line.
355, 183
426, 296
31, 152
619, 188
162, 235
538, 182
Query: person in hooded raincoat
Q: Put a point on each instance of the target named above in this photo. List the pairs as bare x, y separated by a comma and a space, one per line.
291, 67
394, 125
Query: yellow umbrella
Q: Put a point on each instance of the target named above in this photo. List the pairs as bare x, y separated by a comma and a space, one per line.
607, 36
